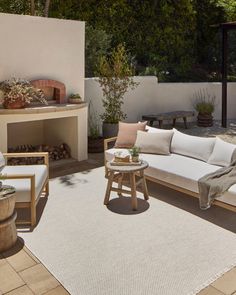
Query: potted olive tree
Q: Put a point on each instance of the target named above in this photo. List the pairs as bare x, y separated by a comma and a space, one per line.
204, 104
115, 76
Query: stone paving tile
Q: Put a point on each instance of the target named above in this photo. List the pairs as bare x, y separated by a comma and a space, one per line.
57, 291
24, 290
9, 279
227, 283
39, 279
31, 255
20, 261
210, 291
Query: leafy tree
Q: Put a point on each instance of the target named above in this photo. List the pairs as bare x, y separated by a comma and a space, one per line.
115, 77
169, 38
97, 44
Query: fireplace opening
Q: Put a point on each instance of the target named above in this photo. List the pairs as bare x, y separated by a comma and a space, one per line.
57, 136
54, 91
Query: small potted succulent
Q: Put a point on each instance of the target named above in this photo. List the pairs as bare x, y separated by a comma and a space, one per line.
134, 152
204, 104
19, 93
75, 98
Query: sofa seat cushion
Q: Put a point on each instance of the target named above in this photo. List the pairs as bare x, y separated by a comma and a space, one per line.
180, 171
22, 186
175, 169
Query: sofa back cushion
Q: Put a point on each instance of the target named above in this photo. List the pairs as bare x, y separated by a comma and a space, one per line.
222, 153
156, 130
192, 146
154, 142
127, 134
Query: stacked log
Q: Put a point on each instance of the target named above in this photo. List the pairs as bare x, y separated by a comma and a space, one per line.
56, 153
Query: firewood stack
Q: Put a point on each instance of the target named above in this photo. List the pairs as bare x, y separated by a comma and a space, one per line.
59, 152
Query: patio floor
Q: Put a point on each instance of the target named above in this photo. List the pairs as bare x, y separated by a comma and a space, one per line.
22, 273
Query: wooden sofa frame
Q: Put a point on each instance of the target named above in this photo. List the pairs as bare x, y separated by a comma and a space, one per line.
167, 184
45, 188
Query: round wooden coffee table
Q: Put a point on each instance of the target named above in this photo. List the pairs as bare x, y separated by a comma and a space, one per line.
117, 173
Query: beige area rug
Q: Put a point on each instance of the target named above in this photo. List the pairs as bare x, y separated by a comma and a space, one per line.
92, 250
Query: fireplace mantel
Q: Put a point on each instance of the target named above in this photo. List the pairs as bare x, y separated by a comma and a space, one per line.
65, 122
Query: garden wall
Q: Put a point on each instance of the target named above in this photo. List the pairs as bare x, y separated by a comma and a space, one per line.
42, 48
151, 97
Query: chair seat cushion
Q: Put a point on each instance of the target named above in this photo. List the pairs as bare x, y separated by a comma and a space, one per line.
22, 186
179, 170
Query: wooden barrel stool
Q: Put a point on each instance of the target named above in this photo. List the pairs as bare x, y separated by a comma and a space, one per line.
8, 234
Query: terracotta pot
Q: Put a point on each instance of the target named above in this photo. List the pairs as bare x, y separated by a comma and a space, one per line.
75, 100
18, 104
7, 205
205, 120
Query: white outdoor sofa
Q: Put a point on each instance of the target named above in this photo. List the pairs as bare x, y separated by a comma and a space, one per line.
30, 182
181, 170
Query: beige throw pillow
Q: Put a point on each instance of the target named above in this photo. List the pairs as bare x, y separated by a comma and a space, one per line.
222, 153
127, 134
154, 143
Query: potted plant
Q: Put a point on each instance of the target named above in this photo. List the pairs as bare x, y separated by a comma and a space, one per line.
204, 104
75, 98
115, 78
95, 140
19, 93
134, 152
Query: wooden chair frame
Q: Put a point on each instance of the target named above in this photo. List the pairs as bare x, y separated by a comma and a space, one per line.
167, 184
34, 199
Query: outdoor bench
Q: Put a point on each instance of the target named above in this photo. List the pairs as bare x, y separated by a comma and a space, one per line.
168, 116
187, 162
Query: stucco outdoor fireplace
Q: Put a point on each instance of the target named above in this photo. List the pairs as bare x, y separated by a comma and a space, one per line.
51, 125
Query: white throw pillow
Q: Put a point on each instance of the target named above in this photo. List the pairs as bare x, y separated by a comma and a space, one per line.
2, 161
192, 146
154, 143
222, 153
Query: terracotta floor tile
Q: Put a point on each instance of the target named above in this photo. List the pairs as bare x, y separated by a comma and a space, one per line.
210, 291
227, 283
57, 291
31, 255
9, 279
20, 261
39, 279
24, 290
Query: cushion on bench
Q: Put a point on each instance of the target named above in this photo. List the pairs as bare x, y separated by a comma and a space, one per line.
23, 185
192, 146
222, 153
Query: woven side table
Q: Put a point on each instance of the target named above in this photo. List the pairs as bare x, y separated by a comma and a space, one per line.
117, 173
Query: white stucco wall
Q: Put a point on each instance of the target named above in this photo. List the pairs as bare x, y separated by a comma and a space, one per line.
42, 48
151, 97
